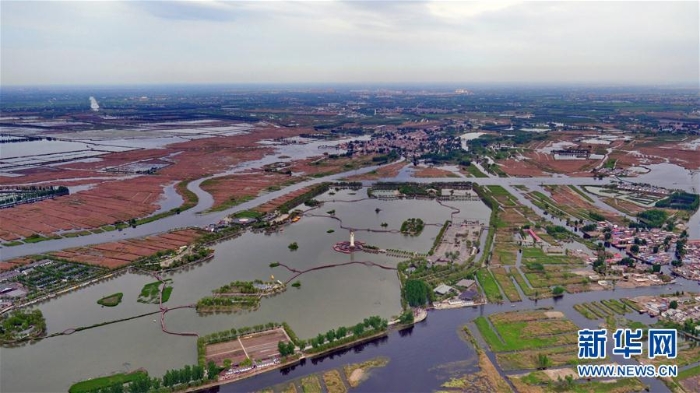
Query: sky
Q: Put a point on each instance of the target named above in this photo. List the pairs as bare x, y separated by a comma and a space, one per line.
165, 42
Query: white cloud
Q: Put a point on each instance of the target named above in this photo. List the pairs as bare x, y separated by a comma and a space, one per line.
208, 41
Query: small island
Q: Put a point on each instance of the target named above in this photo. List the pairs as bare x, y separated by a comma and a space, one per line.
112, 300
293, 246
21, 326
412, 226
150, 293
239, 295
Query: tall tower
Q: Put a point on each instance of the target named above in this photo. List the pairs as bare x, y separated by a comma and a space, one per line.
352, 239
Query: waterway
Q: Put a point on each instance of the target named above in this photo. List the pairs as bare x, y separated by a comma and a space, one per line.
327, 299
432, 352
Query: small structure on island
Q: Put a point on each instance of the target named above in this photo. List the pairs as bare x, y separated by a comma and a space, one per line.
347, 247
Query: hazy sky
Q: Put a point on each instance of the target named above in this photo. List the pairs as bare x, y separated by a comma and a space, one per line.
348, 41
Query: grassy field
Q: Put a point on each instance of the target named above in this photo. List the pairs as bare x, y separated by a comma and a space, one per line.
526, 331
334, 382
582, 193
506, 255
488, 284
474, 171
691, 372
538, 381
95, 384
497, 191
311, 384
504, 280
527, 359
534, 254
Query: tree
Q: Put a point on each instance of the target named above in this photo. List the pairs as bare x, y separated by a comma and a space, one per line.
673, 304
416, 292
558, 291
330, 335
358, 329
227, 363
320, 339
212, 370
543, 361
341, 332
655, 268
282, 348
634, 249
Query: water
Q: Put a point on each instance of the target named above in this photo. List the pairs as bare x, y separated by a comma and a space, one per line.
421, 359
435, 345
670, 176
33, 148
169, 200
327, 299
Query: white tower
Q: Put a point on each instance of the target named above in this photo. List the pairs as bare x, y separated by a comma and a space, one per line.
352, 239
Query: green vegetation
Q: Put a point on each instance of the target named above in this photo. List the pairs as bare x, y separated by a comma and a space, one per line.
111, 300
414, 189
417, 292
474, 171
96, 384
150, 292
311, 384
535, 254
36, 238
293, 246
690, 372
582, 193
523, 330
20, 325
246, 287
438, 238
504, 281
653, 218
339, 337
364, 366
247, 214
412, 226
316, 190
333, 381
596, 216
680, 200
285, 349
226, 303
330, 231
488, 284
296, 284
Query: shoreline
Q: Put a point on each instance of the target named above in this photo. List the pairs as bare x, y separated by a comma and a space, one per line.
304, 357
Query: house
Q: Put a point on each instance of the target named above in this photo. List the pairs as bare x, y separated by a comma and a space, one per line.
465, 283
443, 289
571, 154
468, 295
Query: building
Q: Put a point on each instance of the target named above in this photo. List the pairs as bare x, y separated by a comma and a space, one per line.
465, 283
571, 154
443, 289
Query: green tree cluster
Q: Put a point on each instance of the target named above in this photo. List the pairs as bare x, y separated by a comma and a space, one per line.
417, 292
